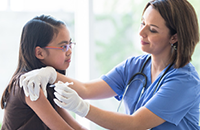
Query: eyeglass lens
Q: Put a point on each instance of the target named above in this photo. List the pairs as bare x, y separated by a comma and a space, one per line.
67, 46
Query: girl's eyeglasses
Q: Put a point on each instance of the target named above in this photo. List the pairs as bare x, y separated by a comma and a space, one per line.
64, 48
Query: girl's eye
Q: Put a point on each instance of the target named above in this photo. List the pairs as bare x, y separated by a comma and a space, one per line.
64, 46
70, 42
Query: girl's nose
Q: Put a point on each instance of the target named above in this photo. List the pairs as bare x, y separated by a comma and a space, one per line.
68, 52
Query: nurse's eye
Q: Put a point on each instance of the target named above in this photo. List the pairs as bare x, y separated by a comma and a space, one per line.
153, 30
142, 24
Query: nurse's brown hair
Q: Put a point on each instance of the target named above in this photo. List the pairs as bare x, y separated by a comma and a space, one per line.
181, 19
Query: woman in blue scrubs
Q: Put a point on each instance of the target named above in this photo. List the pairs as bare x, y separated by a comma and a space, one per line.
167, 99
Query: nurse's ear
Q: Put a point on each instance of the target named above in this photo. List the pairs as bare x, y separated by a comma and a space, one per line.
173, 39
40, 53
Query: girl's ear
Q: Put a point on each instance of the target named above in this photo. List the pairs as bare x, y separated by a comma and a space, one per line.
40, 53
174, 39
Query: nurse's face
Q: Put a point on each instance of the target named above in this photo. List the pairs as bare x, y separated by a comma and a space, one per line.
154, 34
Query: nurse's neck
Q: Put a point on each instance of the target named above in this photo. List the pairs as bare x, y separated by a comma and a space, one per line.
157, 66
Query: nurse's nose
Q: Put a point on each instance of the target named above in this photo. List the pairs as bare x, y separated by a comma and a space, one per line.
143, 31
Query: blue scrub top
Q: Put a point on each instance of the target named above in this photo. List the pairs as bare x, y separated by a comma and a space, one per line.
176, 99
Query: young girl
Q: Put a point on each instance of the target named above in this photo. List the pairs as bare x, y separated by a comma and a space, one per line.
44, 42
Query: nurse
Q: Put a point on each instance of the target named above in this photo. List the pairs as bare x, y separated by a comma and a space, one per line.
169, 33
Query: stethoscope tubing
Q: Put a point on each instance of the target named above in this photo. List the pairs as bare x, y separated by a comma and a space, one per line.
144, 85
131, 80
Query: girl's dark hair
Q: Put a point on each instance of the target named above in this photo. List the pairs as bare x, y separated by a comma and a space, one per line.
180, 18
39, 31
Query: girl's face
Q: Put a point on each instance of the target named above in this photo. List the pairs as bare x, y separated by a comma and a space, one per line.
154, 34
57, 58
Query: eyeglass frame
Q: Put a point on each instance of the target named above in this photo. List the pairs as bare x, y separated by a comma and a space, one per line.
67, 46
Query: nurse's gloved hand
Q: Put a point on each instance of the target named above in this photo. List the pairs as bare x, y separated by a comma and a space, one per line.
68, 98
33, 80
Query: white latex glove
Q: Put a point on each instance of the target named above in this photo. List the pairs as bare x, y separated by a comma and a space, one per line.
68, 98
33, 80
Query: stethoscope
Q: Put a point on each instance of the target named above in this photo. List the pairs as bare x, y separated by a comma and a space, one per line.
144, 83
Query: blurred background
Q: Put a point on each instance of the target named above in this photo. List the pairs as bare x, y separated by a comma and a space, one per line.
106, 33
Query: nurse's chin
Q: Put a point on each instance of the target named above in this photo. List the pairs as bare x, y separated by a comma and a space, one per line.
145, 49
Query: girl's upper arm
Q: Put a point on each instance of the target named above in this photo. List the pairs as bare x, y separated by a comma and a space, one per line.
95, 89
98, 89
47, 113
